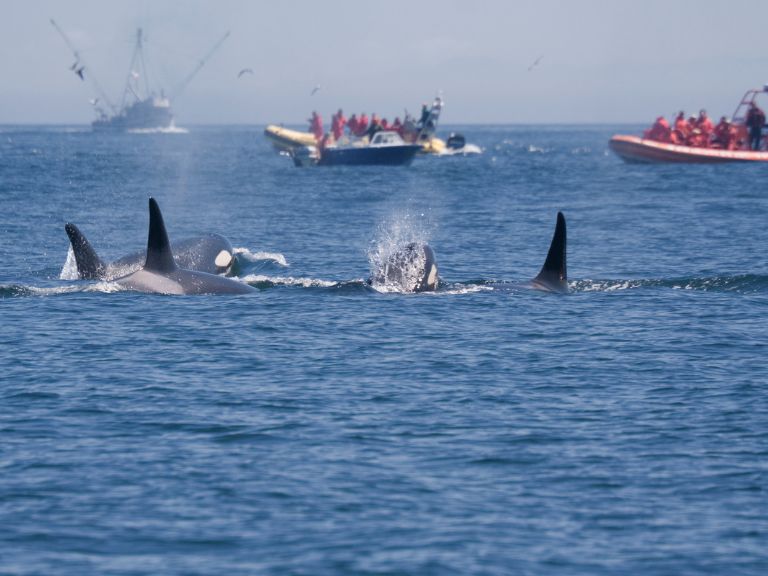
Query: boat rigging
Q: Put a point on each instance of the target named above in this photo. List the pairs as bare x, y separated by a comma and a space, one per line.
80, 66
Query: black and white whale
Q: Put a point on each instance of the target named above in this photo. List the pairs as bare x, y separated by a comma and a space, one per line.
210, 253
553, 276
161, 274
412, 268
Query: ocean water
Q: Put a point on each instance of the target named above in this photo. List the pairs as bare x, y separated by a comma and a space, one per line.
318, 426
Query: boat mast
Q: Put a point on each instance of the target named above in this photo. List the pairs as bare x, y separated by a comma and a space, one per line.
134, 75
80, 60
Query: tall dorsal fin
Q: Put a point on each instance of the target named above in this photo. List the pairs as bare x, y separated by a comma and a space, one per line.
89, 265
554, 275
159, 255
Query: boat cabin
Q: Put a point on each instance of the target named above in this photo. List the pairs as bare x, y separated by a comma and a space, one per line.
386, 138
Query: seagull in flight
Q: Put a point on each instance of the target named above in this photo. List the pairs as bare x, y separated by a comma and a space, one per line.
536, 63
244, 71
315, 90
80, 71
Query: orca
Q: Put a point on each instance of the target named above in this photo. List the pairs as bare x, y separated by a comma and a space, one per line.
553, 276
210, 253
161, 275
412, 268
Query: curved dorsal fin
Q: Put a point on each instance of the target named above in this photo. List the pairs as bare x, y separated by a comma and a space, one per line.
554, 274
159, 255
89, 265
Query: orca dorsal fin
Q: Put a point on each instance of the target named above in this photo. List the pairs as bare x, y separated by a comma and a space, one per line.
159, 254
554, 274
89, 265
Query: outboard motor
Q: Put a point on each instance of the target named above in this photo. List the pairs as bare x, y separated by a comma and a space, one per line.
455, 141
305, 156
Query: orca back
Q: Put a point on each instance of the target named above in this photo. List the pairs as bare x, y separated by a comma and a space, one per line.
159, 253
89, 265
161, 275
554, 275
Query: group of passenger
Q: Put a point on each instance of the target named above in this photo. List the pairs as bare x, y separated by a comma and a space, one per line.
357, 126
700, 132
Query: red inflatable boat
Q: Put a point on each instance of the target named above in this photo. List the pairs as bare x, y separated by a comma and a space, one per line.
638, 149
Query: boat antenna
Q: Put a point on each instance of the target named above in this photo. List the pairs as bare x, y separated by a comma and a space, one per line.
80, 62
184, 83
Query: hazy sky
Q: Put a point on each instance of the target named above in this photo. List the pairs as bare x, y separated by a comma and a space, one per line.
603, 60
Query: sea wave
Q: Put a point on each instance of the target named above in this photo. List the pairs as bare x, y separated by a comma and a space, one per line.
260, 256
169, 130
262, 281
742, 283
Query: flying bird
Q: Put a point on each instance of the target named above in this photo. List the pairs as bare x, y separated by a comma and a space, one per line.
80, 71
244, 71
315, 90
536, 63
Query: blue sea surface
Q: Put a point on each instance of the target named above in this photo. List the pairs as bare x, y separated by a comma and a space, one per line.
319, 426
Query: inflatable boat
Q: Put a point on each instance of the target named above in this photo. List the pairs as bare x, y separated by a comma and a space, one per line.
385, 149
636, 149
285, 139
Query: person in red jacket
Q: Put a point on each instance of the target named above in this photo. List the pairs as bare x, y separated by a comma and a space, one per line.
316, 125
704, 124
680, 129
362, 125
660, 131
337, 124
724, 134
693, 134
352, 124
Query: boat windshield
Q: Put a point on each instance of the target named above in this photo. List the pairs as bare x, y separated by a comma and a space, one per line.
387, 139
752, 96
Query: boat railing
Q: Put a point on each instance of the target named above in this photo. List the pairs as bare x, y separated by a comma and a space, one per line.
740, 114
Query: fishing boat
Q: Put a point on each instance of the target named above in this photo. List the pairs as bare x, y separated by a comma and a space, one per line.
145, 114
386, 148
141, 108
635, 149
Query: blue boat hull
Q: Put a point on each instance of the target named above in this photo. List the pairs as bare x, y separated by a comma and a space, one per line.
354, 156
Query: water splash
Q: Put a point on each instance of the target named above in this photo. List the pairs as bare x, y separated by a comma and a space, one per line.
392, 236
19, 290
740, 283
69, 269
249, 256
460, 289
168, 130
260, 280
466, 150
